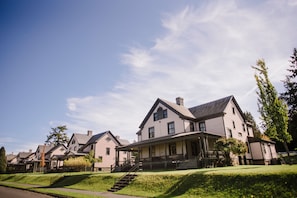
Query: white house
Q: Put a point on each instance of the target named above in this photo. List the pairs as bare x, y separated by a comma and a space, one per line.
174, 136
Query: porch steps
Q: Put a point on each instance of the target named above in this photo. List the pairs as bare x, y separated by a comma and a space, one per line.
125, 180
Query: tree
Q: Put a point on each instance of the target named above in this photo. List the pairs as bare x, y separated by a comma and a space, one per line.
290, 96
228, 145
273, 110
77, 163
249, 117
91, 158
3, 161
58, 136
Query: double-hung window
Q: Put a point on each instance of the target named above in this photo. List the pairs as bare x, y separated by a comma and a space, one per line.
171, 128
202, 126
151, 132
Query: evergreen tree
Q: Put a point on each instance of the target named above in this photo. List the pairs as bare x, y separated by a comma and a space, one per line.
3, 161
58, 136
273, 110
249, 117
290, 96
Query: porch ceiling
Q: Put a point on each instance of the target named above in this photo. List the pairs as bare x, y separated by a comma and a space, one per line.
169, 138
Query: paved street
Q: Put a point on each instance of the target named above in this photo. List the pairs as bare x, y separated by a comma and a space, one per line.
6, 192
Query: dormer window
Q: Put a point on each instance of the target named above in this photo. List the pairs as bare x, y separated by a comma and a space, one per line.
160, 114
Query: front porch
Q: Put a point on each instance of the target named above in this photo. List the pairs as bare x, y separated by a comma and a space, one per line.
179, 151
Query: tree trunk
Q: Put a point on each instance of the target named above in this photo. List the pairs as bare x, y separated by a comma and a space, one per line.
287, 150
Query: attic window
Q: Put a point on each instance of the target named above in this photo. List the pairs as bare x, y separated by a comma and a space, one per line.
160, 114
108, 139
233, 110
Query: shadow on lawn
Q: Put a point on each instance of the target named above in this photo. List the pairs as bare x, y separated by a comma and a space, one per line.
68, 180
187, 182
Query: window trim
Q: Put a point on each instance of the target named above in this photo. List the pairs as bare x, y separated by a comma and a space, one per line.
151, 132
170, 129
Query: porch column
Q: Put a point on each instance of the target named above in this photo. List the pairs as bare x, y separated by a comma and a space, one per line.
165, 164
117, 157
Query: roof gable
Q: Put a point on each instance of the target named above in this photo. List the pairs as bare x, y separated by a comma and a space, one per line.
80, 138
178, 109
97, 137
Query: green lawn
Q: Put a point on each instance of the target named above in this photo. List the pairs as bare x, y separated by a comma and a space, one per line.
238, 181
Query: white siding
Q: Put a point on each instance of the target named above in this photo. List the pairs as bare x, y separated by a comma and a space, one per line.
235, 122
161, 126
215, 125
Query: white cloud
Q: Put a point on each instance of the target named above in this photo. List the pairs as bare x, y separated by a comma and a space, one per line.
206, 53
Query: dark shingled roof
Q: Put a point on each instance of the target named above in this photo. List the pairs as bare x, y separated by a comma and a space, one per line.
211, 109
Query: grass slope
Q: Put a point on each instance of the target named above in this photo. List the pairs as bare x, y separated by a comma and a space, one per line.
238, 181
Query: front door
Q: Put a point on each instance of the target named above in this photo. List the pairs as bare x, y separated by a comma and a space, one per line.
195, 148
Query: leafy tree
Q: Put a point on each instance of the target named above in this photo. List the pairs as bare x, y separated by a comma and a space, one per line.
249, 117
3, 161
58, 136
77, 163
228, 145
290, 96
91, 158
273, 110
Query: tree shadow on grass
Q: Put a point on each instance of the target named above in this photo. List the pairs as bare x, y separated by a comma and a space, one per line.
68, 181
186, 182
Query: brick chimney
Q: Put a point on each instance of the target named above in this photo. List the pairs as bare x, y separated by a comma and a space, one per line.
90, 133
180, 101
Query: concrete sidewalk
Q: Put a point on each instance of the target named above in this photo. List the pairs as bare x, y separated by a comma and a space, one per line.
86, 192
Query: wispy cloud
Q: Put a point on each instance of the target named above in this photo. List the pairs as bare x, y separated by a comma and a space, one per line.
206, 53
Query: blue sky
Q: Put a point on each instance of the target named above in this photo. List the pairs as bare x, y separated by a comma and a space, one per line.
100, 65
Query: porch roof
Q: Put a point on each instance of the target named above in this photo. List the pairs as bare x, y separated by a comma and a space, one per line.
164, 139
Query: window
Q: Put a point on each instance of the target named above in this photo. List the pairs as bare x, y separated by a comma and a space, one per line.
108, 139
202, 126
107, 151
243, 127
151, 132
73, 141
165, 113
264, 148
233, 110
239, 134
230, 133
233, 124
171, 129
160, 114
192, 128
172, 149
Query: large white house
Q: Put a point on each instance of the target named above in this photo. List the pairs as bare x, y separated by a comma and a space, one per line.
174, 136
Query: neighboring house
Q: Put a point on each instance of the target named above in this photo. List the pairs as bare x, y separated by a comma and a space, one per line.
104, 147
263, 151
20, 162
173, 136
77, 141
40, 152
55, 157
11, 159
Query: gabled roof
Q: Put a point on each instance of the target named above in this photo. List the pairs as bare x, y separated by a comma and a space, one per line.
80, 138
45, 147
95, 138
205, 111
54, 148
178, 109
10, 157
211, 109
23, 155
